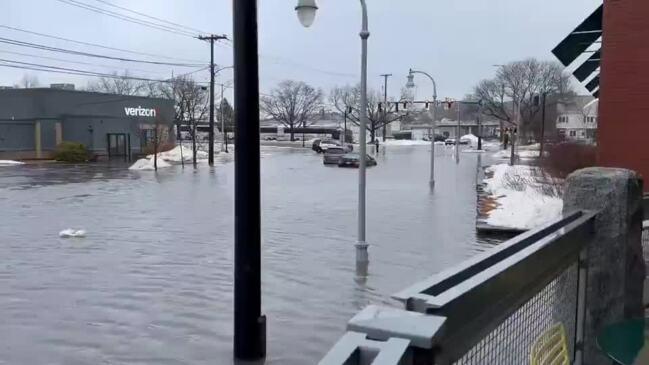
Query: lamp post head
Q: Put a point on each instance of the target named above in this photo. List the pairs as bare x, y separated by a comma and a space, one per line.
306, 10
411, 81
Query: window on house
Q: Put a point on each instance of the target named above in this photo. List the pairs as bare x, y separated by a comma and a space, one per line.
563, 119
573, 133
591, 119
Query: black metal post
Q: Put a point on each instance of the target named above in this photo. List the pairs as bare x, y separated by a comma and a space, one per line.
211, 131
249, 323
542, 127
345, 131
479, 133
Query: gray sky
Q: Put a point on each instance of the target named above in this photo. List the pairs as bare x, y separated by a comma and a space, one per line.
457, 41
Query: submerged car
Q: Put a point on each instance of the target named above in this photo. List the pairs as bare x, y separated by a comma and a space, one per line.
333, 154
354, 160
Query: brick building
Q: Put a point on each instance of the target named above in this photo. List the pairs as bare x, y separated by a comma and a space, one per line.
624, 91
618, 74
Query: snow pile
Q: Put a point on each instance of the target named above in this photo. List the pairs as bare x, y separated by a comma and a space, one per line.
72, 233
146, 164
10, 163
524, 154
168, 158
176, 156
405, 142
473, 140
525, 207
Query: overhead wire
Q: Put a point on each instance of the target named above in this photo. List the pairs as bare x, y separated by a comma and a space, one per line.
151, 17
112, 67
79, 72
87, 54
127, 18
94, 44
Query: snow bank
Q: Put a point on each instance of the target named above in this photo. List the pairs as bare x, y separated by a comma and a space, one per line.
524, 209
525, 154
72, 233
168, 158
174, 155
404, 142
473, 140
146, 164
10, 163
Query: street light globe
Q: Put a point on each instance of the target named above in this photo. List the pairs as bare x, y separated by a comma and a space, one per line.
411, 81
306, 10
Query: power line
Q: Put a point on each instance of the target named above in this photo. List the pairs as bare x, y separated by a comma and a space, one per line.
70, 61
128, 18
79, 53
151, 17
78, 72
94, 44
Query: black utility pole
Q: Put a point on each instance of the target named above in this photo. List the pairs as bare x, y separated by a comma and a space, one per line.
249, 323
212, 38
385, 103
545, 95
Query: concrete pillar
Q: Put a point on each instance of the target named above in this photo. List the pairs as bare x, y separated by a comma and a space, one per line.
58, 130
37, 140
615, 262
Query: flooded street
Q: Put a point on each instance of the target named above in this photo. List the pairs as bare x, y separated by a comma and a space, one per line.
152, 281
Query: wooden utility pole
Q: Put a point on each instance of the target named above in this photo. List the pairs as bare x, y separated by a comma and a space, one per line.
211, 38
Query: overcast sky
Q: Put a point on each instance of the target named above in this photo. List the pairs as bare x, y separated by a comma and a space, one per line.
458, 41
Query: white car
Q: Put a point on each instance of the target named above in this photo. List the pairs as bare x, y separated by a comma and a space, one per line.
326, 144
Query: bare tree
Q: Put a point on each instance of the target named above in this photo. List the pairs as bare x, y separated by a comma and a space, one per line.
519, 83
194, 101
119, 84
29, 81
292, 103
346, 97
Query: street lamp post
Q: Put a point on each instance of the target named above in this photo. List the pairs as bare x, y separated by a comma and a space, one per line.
306, 11
410, 85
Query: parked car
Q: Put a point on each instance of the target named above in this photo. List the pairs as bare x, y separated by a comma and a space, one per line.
449, 141
326, 143
316, 145
332, 155
353, 160
321, 145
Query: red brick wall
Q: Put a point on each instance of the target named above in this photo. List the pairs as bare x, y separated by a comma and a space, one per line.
623, 134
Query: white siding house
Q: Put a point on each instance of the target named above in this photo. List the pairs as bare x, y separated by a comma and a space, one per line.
577, 119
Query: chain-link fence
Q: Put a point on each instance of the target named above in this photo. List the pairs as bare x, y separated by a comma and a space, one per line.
511, 341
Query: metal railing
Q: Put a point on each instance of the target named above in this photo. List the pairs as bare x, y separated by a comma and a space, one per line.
489, 309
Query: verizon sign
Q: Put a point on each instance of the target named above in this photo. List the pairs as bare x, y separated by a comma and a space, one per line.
140, 112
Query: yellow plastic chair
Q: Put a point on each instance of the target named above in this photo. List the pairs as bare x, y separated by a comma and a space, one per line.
551, 348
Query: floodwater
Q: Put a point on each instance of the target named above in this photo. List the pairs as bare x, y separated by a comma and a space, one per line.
152, 281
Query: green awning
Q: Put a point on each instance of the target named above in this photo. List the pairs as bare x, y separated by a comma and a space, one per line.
588, 67
580, 39
593, 84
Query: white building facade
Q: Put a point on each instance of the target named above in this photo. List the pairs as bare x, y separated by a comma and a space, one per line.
577, 119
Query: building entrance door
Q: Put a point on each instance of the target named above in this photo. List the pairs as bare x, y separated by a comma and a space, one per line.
119, 146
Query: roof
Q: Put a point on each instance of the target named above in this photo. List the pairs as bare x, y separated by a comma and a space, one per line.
46, 90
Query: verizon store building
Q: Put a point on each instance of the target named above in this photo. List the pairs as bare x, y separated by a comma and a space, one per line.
34, 121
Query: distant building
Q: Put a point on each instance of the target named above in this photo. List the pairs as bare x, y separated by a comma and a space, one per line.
418, 124
34, 121
577, 118
62, 86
